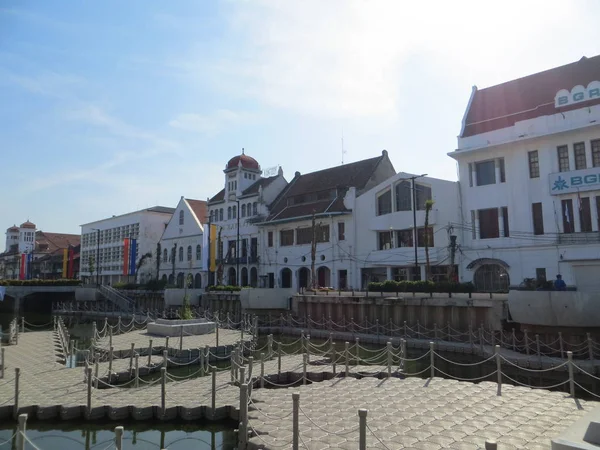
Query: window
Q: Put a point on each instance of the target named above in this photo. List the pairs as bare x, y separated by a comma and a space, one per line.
286, 238
189, 253
244, 248
243, 210
249, 209
253, 247
423, 236
485, 172
180, 217
579, 151
596, 153
221, 214
488, 223
384, 203
322, 233
180, 254
229, 213
538, 218
385, 240
404, 238
534, 164
585, 215
563, 158
198, 252
567, 215
303, 235
235, 211
470, 175
500, 165
254, 209
341, 231
165, 255
423, 194
403, 196
270, 239
505, 221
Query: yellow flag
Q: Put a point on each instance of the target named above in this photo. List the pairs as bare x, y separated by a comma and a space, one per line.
213, 248
65, 260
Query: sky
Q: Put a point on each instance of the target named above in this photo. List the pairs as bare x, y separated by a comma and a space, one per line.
109, 107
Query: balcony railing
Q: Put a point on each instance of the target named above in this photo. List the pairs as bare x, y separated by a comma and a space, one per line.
241, 260
579, 238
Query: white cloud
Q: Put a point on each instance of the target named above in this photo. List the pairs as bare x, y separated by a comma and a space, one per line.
212, 124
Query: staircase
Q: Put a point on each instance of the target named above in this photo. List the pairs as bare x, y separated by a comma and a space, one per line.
122, 302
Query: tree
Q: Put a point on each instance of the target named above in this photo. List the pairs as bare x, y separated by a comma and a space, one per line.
428, 206
158, 253
141, 262
91, 264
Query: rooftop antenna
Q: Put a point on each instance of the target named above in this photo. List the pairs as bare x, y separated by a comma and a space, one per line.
343, 151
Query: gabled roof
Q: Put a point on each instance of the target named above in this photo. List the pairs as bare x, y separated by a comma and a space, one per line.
199, 208
501, 106
254, 187
51, 242
218, 198
340, 178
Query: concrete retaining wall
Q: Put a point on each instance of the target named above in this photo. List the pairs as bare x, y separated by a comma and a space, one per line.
87, 294
174, 297
266, 298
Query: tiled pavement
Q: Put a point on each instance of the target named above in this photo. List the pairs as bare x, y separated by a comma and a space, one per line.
403, 413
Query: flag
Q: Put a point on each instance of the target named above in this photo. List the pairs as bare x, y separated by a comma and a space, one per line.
125, 256
30, 265
213, 247
22, 271
132, 255
64, 263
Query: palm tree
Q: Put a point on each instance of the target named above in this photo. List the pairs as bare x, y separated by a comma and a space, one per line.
428, 206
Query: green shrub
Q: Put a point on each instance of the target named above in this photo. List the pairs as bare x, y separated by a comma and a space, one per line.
155, 285
37, 282
126, 286
421, 286
222, 288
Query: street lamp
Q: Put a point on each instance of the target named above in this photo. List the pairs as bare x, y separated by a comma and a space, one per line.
414, 208
97, 256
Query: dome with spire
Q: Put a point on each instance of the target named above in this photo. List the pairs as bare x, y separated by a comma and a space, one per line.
13, 229
247, 162
28, 224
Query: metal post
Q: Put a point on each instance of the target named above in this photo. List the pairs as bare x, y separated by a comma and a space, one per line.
21, 433
167, 343
181, 339
217, 333
279, 359
307, 348
110, 364
270, 346
250, 366
571, 378
560, 340
110, 335
262, 370
333, 358
233, 363
432, 359
304, 360
119, 438
150, 353
207, 357
88, 372
405, 330
357, 350
295, 426
403, 354
347, 352
137, 371
499, 369
16, 401
389, 359
22, 324
163, 390
243, 430
165, 358
362, 429
201, 360
213, 401
96, 369
131, 357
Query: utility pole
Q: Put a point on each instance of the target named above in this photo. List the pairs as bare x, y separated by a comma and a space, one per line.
452, 257
237, 245
313, 253
414, 208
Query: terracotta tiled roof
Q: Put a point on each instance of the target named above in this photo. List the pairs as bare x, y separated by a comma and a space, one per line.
253, 188
248, 162
199, 208
337, 178
525, 98
218, 198
13, 229
51, 242
28, 224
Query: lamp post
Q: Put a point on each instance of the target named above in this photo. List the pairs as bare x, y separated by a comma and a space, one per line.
414, 209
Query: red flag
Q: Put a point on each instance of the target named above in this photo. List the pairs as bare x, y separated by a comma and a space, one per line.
125, 256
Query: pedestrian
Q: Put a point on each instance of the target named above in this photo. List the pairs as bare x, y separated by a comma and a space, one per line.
559, 283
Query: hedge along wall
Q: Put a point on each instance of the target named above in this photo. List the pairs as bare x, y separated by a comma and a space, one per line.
65, 282
421, 286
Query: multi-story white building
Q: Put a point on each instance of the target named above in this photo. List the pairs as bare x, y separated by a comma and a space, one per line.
183, 245
386, 232
287, 233
102, 245
529, 169
235, 210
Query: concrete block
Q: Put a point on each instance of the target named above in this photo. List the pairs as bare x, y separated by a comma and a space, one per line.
163, 327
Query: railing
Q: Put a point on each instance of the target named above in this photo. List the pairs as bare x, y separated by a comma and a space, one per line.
578, 238
110, 293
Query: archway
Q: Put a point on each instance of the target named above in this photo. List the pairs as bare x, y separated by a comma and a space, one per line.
244, 281
491, 278
323, 276
231, 278
303, 277
171, 280
180, 277
253, 277
286, 278
198, 281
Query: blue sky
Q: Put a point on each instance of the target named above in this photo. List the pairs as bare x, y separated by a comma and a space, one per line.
107, 107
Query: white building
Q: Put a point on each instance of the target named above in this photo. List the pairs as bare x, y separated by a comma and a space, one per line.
183, 245
102, 244
385, 222
287, 233
529, 170
235, 210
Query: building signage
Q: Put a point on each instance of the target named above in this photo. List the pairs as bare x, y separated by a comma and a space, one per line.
577, 95
575, 181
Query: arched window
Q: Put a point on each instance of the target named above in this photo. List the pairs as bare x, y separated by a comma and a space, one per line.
235, 212
229, 213
254, 209
189, 253
221, 214
165, 255
180, 217
180, 254
243, 210
249, 209
198, 252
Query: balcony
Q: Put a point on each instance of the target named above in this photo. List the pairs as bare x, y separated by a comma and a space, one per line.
401, 220
579, 238
241, 260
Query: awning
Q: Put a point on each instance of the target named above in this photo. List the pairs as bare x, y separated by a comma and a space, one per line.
482, 261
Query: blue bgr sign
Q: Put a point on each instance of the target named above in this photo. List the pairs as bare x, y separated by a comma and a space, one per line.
575, 181
577, 95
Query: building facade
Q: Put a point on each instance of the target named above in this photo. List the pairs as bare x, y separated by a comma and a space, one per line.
103, 248
183, 246
287, 234
235, 210
388, 229
529, 169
